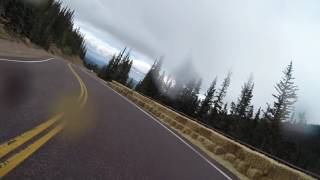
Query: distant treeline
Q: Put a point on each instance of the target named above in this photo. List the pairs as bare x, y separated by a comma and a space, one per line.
45, 23
276, 130
117, 69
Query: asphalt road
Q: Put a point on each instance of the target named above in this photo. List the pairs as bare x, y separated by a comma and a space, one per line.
109, 138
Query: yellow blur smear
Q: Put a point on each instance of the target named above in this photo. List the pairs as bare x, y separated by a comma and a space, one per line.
10, 145
15, 160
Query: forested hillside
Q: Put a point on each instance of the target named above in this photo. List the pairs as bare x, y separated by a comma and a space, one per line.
275, 130
46, 23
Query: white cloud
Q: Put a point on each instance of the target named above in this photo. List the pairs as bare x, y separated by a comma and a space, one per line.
249, 36
104, 48
141, 65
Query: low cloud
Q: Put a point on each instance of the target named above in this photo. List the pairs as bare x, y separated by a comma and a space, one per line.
259, 37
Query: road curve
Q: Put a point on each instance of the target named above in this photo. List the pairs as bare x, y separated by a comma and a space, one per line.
110, 138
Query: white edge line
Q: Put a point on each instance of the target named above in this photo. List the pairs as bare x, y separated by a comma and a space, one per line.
177, 136
26, 61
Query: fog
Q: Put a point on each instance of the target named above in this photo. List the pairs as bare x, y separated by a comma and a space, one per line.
248, 36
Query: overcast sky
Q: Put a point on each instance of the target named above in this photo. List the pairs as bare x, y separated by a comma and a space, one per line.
245, 36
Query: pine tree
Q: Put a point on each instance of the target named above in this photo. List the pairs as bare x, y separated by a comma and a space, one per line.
280, 111
123, 69
107, 69
284, 98
3, 4
208, 100
188, 101
218, 102
118, 68
257, 115
233, 108
249, 114
45, 23
243, 107
148, 86
225, 109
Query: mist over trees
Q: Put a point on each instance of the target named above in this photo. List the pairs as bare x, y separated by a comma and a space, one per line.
222, 92
148, 85
187, 100
206, 103
277, 130
45, 23
271, 130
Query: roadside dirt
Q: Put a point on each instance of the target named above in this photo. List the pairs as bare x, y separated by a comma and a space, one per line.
20, 49
24, 48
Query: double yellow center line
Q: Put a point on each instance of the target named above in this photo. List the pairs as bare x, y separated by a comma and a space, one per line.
83, 97
13, 161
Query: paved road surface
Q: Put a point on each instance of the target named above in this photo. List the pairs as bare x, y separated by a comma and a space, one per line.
108, 138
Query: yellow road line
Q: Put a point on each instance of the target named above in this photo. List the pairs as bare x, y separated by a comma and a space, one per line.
85, 95
82, 91
15, 160
10, 145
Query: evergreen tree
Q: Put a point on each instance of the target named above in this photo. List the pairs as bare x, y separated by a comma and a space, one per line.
282, 107
257, 115
225, 109
233, 108
45, 23
243, 107
124, 67
118, 68
249, 114
208, 100
284, 98
148, 85
218, 102
2, 7
188, 101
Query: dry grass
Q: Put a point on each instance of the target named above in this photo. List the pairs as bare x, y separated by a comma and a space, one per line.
240, 160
